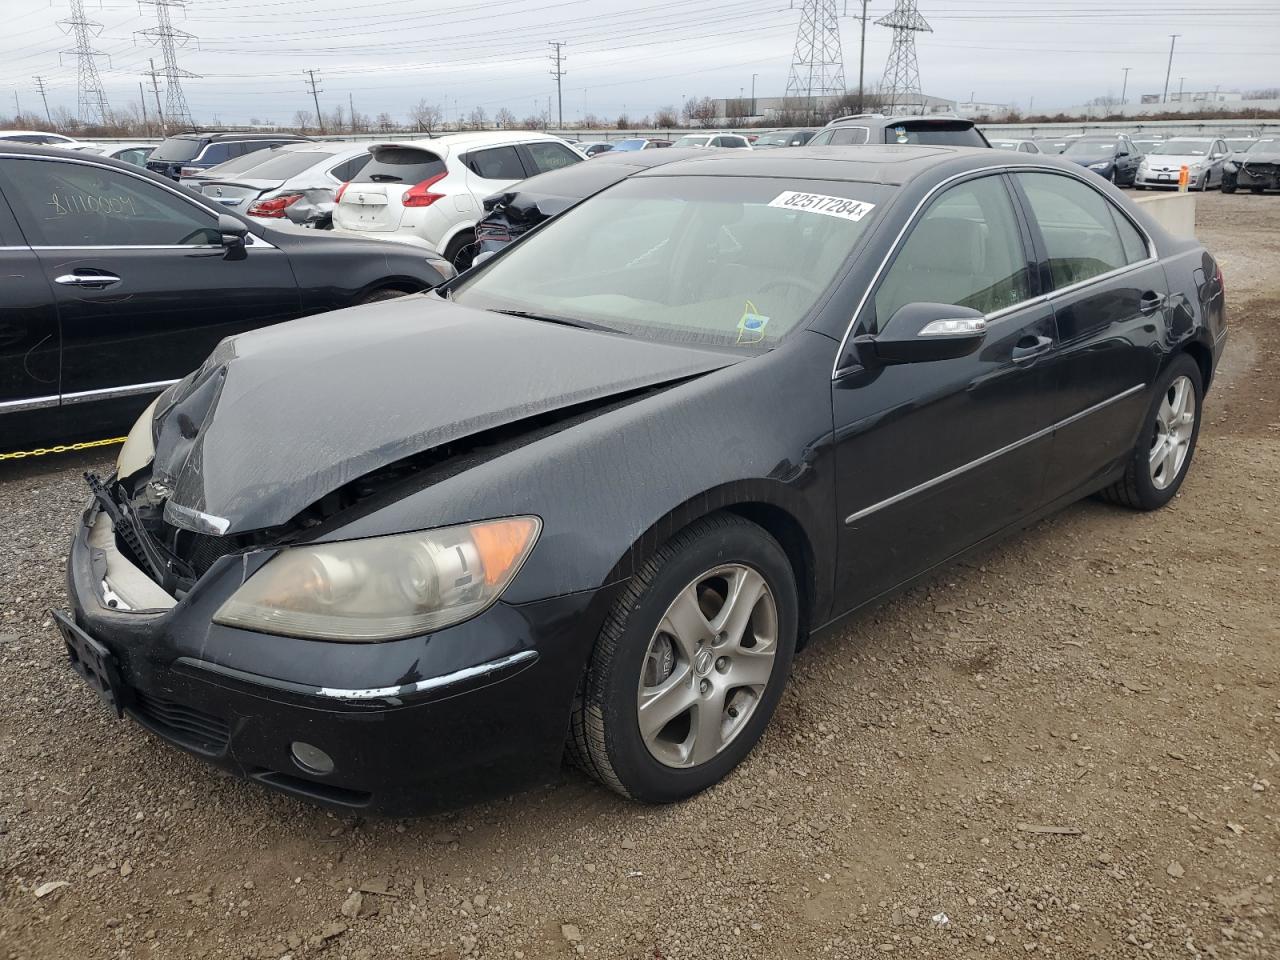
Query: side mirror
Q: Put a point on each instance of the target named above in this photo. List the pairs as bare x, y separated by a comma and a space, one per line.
923, 332
233, 232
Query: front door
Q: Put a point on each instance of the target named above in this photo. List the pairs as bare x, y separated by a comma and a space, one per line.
143, 287
933, 457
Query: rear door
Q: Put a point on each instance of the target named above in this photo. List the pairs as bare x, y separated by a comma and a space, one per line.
1110, 298
144, 288
30, 342
933, 457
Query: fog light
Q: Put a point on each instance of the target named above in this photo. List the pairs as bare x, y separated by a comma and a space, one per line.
311, 759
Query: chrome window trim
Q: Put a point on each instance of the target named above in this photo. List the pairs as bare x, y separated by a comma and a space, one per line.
84, 396
251, 240
996, 316
987, 458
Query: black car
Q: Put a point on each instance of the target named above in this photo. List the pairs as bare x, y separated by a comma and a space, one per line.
1257, 168
600, 488
513, 213
1114, 158
186, 153
879, 128
116, 283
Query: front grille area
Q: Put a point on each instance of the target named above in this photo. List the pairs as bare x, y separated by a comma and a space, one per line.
201, 550
1260, 171
194, 729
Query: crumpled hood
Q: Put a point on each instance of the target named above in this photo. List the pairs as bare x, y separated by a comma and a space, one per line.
278, 417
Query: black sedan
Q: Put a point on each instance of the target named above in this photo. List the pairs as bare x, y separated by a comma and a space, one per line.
1114, 158
600, 488
515, 212
114, 282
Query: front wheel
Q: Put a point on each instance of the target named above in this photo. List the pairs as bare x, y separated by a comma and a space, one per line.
1228, 186
1162, 457
690, 664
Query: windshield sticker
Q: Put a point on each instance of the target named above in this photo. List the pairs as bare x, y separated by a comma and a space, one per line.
840, 207
751, 324
901, 134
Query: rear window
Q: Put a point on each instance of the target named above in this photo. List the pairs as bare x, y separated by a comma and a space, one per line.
401, 165
281, 166
954, 133
177, 149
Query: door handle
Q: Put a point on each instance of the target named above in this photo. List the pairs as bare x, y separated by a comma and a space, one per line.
1024, 350
1150, 302
91, 280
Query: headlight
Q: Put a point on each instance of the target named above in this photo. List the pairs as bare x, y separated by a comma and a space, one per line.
1230, 167
139, 447
383, 588
1099, 166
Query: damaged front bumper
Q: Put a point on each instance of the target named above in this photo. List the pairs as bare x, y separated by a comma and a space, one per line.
405, 725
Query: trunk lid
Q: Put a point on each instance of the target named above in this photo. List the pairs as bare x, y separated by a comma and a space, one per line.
367, 207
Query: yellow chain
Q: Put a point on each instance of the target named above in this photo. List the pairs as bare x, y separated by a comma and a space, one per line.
61, 448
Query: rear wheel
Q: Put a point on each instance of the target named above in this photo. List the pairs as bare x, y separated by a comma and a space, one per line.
461, 250
690, 664
1162, 457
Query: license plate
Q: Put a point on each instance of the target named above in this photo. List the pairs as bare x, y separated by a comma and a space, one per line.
94, 662
1164, 176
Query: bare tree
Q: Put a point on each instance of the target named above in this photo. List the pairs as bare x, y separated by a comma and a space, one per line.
301, 120
666, 118
385, 123
478, 118
532, 122
425, 116
701, 111
592, 122
737, 110
623, 122
505, 119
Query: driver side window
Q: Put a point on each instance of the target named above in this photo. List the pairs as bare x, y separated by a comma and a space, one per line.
62, 204
966, 250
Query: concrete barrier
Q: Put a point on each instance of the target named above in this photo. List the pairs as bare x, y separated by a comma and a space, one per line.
1176, 212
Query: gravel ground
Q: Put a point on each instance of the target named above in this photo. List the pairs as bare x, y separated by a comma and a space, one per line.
1067, 747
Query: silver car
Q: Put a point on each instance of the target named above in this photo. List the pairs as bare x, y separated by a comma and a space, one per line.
1202, 156
300, 184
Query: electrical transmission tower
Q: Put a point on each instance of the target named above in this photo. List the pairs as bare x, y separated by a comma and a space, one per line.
557, 57
817, 65
91, 99
902, 73
168, 38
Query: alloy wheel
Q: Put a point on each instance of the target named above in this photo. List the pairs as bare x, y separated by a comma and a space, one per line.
1175, 423
707, 665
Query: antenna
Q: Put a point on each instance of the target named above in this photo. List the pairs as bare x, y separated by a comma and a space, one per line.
902, 72
817, 65
168, 38
91, 99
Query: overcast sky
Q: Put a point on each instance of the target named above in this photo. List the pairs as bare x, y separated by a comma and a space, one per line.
632, 55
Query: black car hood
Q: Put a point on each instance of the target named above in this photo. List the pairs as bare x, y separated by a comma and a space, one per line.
279, 417
1258, 156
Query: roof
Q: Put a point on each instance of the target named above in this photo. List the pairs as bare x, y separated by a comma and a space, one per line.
232, 135
890, 164
474, 138
36, 133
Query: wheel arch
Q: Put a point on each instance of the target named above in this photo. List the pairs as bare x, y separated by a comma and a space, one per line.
771, 507
1203, 357
401, 283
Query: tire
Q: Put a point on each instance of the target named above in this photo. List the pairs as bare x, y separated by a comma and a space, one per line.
377, 296
1139, 186
1149, 486
1255, 189
686, 583
460, 251
1228, 186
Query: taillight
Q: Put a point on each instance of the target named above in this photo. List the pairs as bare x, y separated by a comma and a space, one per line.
188, 171
420, 195
274, 207
1222, 283
337, 197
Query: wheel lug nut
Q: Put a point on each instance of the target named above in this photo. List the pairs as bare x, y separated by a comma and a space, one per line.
705, 687
733, 712
722, 664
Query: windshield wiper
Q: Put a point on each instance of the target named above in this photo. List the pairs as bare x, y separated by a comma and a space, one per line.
385, 178
563, 321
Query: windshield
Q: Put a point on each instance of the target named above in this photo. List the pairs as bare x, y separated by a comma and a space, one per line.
1091, 148
947, 133
1183, 148
177, 149
282, 166
629, 145
1005, 144
1238, 144
1267, 145
692, 142
774, 139
732, 261
240, 164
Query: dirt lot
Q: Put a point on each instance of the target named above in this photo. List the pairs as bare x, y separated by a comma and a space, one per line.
1113, 674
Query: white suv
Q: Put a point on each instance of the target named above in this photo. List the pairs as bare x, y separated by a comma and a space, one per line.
430, 191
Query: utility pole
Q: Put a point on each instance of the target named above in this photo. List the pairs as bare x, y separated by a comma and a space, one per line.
1173, 38
351, 112
315, 96
1125, 89
155, 86
17, 107
753, 94
557, 57
862, 57
142, 99
1181, 81
40, 86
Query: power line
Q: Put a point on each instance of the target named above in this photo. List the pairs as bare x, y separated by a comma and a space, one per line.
168, 38
91, 99
557, 57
